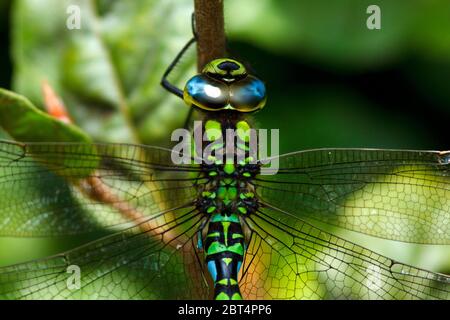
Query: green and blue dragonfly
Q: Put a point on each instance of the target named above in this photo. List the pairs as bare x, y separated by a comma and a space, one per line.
222, 229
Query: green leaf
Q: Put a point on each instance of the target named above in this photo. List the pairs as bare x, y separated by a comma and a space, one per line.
24, 122
107, 72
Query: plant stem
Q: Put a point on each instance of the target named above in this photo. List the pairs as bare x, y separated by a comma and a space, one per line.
209, 22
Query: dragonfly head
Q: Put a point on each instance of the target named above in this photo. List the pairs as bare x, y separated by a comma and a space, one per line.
224, 84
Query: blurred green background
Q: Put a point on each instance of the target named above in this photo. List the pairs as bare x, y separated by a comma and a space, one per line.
331, 81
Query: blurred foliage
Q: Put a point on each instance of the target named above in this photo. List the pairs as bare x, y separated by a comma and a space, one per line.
108, 72
331, 81
345, 84
320, 62
333, 33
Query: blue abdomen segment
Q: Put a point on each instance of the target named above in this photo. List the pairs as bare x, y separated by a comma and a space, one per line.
224, 244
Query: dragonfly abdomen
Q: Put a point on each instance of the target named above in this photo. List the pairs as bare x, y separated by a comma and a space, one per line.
227, 198
227, 203
224, 253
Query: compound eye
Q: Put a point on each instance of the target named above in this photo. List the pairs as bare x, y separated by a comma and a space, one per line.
248, 94
206, 93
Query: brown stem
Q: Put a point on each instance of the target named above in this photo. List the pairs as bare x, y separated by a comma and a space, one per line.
209, 25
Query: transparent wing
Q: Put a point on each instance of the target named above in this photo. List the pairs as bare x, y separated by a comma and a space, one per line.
141, 262
290, 259
60, 189
392, 194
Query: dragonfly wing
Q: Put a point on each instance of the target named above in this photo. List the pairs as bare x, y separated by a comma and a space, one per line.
290, 259
391, 194
141, 262
61, 189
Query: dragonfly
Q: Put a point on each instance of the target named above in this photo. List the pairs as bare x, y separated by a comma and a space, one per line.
221, 229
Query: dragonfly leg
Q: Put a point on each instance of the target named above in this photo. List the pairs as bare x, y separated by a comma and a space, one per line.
193, 26
200, 236
165, 81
